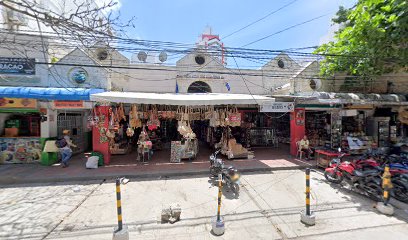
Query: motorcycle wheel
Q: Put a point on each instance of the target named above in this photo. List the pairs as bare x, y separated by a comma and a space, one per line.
374, 191
400, 191
333, 178
235, 189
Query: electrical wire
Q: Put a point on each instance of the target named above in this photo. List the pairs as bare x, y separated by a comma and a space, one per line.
260, 19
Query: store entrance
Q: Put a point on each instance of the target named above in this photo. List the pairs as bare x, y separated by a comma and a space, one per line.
73, 121
162, 134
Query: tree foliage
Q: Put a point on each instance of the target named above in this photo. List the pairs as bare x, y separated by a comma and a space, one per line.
372, 39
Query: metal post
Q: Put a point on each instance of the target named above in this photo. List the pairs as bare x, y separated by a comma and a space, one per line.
308, 217
308, 191
219, 196
383, 207
218, 226
386, 184
118, 204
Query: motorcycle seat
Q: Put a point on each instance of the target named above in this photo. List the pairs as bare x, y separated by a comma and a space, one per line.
365, 173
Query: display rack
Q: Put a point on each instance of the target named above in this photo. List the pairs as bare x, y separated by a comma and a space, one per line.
262, 137
336, 129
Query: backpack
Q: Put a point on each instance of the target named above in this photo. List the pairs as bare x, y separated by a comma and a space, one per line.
61, 142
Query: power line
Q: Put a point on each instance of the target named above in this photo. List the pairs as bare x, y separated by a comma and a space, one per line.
260, 19
285, 29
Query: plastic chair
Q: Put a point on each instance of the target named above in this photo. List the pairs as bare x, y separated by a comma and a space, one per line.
299, 150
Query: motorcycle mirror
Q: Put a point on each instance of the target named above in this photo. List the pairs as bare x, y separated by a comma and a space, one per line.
339, 149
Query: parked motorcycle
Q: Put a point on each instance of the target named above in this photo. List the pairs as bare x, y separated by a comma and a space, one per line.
231, 178
230, 175
368, 182
216, 164
399, 177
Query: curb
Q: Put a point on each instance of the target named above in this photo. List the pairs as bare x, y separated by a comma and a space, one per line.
143, 176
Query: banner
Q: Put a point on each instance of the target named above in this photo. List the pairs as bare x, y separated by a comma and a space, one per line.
18, 103
278, 107
24, 66
68, 104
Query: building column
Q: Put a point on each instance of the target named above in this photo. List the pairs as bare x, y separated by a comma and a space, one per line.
99, 139
297, 128
49, 127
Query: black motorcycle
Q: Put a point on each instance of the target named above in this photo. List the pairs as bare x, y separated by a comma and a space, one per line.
231, 178
216, 164
230, 175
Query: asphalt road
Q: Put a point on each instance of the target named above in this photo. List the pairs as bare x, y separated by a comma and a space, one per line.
268, 208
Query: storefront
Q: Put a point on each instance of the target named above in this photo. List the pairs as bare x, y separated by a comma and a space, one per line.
30, 116
147, 122
355, 122
20, 122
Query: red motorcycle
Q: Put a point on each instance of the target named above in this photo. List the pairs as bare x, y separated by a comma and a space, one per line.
367, 181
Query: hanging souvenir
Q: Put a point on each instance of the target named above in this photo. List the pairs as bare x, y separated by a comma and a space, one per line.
130, 132
102, 135
234, 117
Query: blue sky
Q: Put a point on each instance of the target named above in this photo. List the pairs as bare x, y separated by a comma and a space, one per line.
184, 20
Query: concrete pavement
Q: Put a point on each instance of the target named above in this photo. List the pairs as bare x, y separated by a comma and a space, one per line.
268, 208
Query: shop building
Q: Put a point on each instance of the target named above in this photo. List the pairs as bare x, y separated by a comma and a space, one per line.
354, 122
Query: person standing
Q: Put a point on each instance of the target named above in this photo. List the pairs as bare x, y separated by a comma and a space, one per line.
66, 151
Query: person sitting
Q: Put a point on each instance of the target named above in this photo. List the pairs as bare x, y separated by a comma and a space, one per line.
305, 147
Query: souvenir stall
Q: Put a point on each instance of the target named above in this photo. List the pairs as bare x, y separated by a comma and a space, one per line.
154, 110
354, 138
318, 128
20, 122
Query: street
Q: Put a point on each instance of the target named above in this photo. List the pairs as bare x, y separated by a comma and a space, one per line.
267, 208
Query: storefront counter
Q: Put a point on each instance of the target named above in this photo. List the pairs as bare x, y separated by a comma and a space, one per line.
20, 149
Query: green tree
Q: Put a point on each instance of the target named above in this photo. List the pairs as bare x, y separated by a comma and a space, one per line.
372, 39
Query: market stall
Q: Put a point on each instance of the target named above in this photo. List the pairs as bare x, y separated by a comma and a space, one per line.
159, 116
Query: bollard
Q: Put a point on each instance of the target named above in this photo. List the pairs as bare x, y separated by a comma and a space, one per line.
307, 217
384, 207
218, 227
121, 232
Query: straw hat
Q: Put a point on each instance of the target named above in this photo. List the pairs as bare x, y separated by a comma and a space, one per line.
66, 131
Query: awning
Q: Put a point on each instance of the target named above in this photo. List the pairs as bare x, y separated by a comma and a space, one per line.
48, 93
190, 99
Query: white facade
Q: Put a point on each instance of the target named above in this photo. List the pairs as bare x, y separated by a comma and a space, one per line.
269, 79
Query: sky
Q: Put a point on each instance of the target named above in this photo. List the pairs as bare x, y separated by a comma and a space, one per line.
184, 20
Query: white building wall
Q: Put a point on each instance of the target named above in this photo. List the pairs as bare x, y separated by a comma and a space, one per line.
60, 75
25, 47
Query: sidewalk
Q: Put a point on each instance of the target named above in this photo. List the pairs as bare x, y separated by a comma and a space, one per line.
126, 165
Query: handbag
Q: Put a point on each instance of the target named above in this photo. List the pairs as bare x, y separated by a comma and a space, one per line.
234, 118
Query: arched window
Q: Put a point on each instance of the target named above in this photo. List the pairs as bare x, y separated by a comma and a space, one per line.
199, 87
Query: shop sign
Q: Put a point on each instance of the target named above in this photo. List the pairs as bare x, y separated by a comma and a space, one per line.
18, 103
278, 107
68, 104
24, 66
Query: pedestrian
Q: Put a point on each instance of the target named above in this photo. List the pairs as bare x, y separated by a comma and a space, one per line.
65, 148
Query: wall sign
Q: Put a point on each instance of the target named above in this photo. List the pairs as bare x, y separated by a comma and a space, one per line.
68, 104
18, 103
78, 75
25, 66
278, 107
